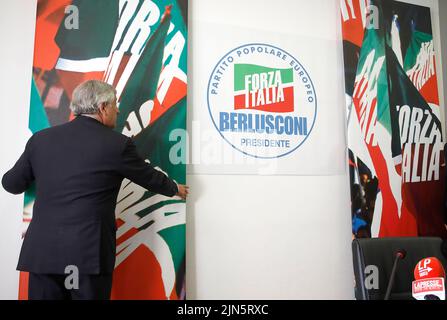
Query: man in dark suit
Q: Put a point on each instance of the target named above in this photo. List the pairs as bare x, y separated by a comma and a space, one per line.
78, 168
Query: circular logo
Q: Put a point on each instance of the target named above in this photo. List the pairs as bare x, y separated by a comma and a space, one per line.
262, 101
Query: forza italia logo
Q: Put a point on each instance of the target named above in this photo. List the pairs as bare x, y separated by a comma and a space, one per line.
262, 88
262, 101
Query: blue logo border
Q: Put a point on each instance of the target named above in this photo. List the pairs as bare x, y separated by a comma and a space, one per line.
211, 115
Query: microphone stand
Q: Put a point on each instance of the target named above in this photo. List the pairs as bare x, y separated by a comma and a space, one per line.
399, 255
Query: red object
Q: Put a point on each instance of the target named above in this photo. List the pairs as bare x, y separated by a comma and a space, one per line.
50, 15
269, 101
354, 19
429, 268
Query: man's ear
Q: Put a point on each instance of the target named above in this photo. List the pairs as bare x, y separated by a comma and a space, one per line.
102, 107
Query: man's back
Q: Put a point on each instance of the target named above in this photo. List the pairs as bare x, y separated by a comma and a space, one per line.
75, 170
78, 168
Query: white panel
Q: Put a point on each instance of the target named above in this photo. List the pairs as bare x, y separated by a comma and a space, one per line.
307, 31
270, 237
17, 23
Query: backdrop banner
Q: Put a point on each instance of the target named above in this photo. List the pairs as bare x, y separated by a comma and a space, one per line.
396, 149
140, 47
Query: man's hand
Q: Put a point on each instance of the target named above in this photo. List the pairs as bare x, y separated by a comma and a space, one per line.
182, 191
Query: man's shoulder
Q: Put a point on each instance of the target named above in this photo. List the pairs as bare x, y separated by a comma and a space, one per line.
117, 136
48, 133
70, 130
41, 134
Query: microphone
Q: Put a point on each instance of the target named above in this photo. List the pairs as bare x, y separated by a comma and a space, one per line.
429, 283
399, 255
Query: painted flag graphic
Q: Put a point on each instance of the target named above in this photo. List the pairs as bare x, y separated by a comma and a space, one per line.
262, 88
395, 136
140, 47
420, 150
420, 65
372, 111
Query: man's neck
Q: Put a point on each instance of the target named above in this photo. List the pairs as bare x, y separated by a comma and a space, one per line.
94, 116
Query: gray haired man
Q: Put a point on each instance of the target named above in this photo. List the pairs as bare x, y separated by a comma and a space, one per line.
78, 168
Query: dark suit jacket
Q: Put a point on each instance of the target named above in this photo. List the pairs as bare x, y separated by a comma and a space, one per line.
78, 168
